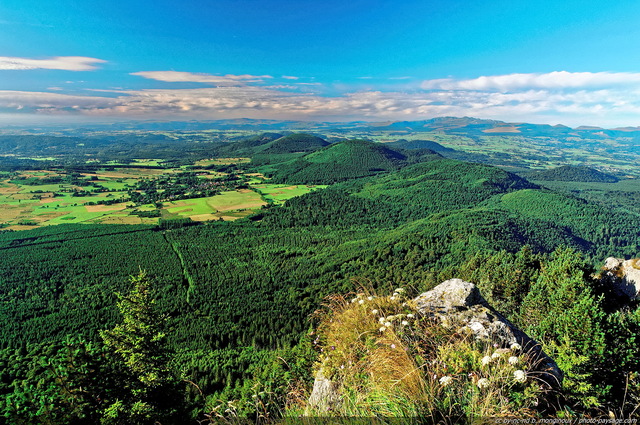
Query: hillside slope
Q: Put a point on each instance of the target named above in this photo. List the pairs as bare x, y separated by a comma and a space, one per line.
572, 173
234, 292
341, 161
294, 143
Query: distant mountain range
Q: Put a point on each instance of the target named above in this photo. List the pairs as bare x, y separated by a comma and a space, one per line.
449, 125
480, 127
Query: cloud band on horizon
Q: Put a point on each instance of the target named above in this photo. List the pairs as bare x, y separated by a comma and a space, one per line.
569, 98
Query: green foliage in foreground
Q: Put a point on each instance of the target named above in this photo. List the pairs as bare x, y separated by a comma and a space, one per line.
124, 381
151, 392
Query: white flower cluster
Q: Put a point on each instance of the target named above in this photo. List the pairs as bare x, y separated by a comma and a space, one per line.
360, 300
446, 380
499, 353
520, 376
388, 322
398, 294
482, 383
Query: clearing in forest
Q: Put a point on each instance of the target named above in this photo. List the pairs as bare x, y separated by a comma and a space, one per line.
279, 193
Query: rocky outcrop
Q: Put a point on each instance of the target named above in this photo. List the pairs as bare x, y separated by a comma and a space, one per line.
459, 305
622, 276
325, 395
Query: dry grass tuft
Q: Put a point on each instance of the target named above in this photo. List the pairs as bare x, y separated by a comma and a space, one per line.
390, 362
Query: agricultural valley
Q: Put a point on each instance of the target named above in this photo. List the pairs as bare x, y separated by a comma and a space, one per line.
196, 272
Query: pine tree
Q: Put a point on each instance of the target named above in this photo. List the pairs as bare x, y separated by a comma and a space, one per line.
151, 389
563, 312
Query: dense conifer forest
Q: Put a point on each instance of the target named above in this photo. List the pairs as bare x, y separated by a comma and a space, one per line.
180, 322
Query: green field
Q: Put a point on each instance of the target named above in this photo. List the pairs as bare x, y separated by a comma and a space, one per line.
227, 205
25, 206
139, 162
221, 161
279, 193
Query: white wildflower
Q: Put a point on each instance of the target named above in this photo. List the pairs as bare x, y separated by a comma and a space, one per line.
393, 298
519, 376
393, 346
486, 360
388, 324
513, 360
410, 316
361, 302
370, 298
374, 311
496, 355
382, 329
400, 290
482, 383
446, 380
382, 320
405, 323
354, 300
391, 318
516, 347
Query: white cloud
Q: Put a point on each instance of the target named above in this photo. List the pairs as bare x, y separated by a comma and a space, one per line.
65, 63
614, 105
55, 101
191, 77
290, 77
552, 80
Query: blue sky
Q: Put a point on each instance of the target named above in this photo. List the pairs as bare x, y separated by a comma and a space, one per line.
570, 62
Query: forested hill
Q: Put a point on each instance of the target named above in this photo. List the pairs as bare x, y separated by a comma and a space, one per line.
572, 173
236, 292
418, 144
341, 161
294, 143
248, 145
